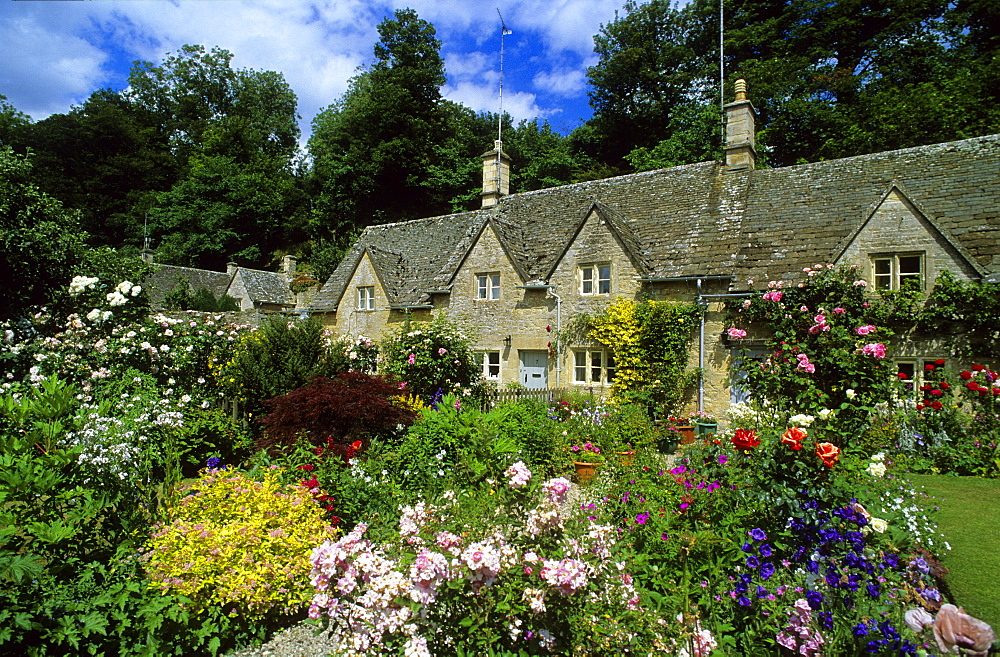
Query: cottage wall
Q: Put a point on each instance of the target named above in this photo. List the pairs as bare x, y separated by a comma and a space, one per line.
352, 321
898, 227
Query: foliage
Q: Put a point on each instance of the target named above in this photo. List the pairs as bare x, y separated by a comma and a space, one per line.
824, 356
40, 241
276, 358
649, 340
431, 358
828, 80
351, 405
972, 306
238, 542
181, 298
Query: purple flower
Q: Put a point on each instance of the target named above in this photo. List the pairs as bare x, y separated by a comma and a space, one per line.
743, 601
213, 463
766, 570
757, 534
642, 518
873, 590
815, 599
752, 561
765, 550
723, 459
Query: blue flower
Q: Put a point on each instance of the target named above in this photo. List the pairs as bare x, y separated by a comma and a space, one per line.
765, 550
766, 570
860, 630
826, 619
757, 534
815, 599
743, 601
213, 463
761, 591
746, 547
752, 561
873, 590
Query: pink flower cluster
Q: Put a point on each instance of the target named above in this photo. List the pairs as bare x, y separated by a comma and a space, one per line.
556, 490
519, 474
804, 363
565, 576
736, 334
774, 295
875, 349
866, 329
483, 561
798, 636
819, 326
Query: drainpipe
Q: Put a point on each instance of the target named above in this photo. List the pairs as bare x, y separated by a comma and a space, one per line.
558, 328
702, 306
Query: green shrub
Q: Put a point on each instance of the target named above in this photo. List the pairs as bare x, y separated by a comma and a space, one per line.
239, 543
432, 359
275, 359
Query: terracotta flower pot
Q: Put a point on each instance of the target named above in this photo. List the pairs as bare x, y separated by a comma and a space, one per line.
626, 458
585, 471
687, 434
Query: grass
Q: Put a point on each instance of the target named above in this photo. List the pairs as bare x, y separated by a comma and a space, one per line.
970, 521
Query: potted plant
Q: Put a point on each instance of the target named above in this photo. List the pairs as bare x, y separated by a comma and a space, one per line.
684, 427
587, 458
704, 424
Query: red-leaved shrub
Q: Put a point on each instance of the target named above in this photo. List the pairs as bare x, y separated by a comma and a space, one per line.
342, 408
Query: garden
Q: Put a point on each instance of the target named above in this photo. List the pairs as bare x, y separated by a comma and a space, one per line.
177, 484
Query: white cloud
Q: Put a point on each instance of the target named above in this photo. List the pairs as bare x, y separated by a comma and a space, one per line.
68, 50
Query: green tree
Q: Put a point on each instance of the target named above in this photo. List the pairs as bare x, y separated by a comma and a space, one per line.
11, 120
385, 151
40, 240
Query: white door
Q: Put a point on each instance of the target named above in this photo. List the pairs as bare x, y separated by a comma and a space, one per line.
535, 369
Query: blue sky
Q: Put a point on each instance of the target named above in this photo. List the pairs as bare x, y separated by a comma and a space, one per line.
55, 54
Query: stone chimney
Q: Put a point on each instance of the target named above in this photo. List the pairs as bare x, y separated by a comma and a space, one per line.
147, 254
288, 267
231, 268
741, 152
496, 175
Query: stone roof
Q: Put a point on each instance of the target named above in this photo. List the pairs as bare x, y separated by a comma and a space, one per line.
265, 286
166, 278
701, 219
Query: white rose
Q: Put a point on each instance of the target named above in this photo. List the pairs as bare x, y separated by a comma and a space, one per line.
850, 393
879, 525
876, 469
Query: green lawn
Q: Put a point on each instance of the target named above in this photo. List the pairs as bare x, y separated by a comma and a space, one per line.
970, 521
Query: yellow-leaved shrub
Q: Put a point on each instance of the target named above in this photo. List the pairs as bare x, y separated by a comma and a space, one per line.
240, 543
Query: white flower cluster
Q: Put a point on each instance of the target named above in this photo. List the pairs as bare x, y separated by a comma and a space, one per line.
519, 475
81, 283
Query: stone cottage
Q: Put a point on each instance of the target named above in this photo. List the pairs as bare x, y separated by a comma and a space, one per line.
253, 289
525, 262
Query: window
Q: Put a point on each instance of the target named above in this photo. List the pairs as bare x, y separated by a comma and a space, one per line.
595, 279
593, 366
366, 298
491, 365
917, 373
488, 286
896, 272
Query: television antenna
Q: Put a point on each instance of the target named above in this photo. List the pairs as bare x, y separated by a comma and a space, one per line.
503, 32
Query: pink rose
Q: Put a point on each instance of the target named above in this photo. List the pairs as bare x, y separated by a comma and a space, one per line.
412, 359
875, 349
839, 311
736, 334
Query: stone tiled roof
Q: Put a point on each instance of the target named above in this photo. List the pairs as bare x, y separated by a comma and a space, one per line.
265, 286
166, 278
703, 220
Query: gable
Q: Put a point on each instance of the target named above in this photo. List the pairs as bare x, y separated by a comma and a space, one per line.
596, 241
487, 253
896, 225
365, 275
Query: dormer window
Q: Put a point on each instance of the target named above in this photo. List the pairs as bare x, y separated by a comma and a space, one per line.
898, 271
366, 298
488, 287
595, 279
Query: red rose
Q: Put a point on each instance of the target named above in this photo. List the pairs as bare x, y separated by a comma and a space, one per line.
902, 375
939, 362
936, 392
936, 405
745, 439
978, 368
920, 407
945, 385
793, 437
966, 374
929, 366
972, 385
828, 453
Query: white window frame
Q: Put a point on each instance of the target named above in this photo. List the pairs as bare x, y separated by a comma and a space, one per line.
366, 297
890, 271
918, 367
595, 279
490, 361
488, 286
588, 362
